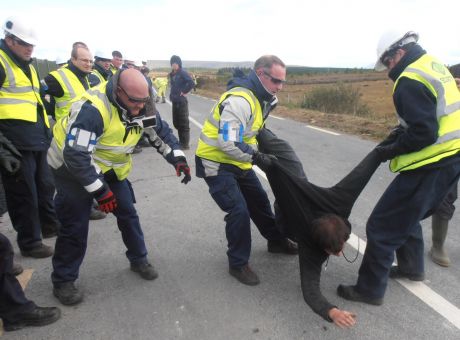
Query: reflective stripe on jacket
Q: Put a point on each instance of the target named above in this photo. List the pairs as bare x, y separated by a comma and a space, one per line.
208, 147
19, 96
437, 78
72, 88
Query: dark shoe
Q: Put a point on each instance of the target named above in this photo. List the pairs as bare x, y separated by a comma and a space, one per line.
395, 273
137, 149
350, 293
96, 214
284, 246
145, 270
67, 293
39, 316
245, 275
39, 252
17, 269
50, 230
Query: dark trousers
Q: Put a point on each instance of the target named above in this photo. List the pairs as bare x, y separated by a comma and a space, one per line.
447, 208
243, 198
73, 205
181, 122
394, 225
12, 298
29, 198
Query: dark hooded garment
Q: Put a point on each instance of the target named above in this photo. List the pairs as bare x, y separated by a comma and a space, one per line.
299, 202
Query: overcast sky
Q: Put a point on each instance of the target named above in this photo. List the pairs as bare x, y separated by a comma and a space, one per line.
339, 33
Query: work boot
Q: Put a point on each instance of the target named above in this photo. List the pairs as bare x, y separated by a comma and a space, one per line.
50, 229
145, 270
16, 269
350, 293
157, 99
67, 293
439, 228
163, 100
245, 275
96, 214
39, 252
39, 316
396, 273
283, 246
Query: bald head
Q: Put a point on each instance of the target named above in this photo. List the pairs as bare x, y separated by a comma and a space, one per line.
132, 91
134, 83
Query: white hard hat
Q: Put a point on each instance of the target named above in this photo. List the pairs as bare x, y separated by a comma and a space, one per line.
61, 60
390, 40
19, 29
103, 54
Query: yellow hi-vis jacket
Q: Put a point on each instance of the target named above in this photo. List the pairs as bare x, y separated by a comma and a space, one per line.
208, 147
114, 147
19, 96
72, 88
437, 78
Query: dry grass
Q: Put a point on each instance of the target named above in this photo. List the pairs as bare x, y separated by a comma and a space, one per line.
375, 89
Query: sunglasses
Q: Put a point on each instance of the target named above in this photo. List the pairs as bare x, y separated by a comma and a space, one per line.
274, 80
22, 42
135, 100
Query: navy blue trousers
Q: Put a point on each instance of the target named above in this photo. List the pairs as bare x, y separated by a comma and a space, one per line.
12, 298
73, 205
243, 198
29, 198
394, 225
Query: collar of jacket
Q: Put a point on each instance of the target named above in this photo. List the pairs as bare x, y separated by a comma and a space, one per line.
412, 55
21, 63
252, 82
101, 70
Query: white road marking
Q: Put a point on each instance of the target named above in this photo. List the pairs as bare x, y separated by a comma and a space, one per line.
276, 117
419, 289
322, 130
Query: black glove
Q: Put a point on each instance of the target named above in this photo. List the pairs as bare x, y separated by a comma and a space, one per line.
392, 136
263, 160
387, 152
181, 166
9, 163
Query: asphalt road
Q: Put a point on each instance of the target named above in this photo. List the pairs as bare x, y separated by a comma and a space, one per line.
195, 297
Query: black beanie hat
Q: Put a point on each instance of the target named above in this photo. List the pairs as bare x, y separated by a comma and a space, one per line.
175, 59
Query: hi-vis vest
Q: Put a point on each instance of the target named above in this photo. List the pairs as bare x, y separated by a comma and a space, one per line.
114, 147
207, 144
437, 78
99, 75
19, 96
72, 88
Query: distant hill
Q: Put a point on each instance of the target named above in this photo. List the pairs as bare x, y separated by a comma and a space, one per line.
153, 64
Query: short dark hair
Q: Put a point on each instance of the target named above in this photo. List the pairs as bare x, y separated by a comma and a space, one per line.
74, 53
330, 232
117, 54
267, 61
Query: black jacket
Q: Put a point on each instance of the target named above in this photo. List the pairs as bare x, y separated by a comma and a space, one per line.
300, 202
181, 82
